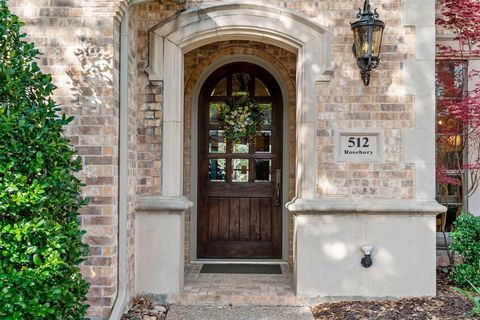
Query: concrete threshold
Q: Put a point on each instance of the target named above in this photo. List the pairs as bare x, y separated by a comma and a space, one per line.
180, 312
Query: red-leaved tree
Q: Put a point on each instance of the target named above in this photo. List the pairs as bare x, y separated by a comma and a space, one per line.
458, 130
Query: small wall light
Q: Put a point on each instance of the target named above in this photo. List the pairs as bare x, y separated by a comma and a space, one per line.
367, 259
367, 36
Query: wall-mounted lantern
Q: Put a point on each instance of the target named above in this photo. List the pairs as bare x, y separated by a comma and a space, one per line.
367, 36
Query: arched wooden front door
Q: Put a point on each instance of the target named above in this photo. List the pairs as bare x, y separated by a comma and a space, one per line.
239, 185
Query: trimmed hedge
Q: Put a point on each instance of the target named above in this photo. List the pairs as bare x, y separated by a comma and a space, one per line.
466, 242
40, 239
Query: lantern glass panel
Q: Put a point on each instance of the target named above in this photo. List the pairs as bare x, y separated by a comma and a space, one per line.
376, 41
360, 35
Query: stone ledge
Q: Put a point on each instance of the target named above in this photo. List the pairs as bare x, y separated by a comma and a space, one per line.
163, 204
366, 206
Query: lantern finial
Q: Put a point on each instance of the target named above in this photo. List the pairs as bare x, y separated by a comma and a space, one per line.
366, 5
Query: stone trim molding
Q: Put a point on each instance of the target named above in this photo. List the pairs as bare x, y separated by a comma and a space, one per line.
205, 24
213, 22
366, 206
419, 76
163, 205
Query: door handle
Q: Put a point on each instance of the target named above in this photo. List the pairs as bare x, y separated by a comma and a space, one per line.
278, 187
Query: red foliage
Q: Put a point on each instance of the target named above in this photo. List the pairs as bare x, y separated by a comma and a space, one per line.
466, 111
462, 18
442, 176
459, 126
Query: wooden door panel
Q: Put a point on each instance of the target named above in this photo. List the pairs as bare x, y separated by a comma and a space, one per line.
244, 225
242, 249
224, 219
255, 219
234, 219
265, 219
213, 213
239, 219
236, 189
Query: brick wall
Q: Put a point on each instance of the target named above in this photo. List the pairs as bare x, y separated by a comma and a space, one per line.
149, 100
80, 50
80, 42
346, 103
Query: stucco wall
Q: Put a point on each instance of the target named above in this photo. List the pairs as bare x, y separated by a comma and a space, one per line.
329, 254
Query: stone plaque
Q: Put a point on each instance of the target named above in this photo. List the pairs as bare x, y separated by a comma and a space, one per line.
358, 146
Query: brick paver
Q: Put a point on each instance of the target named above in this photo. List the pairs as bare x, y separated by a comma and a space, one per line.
238, 289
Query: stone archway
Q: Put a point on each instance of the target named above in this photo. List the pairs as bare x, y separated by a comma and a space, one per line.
169, 41
202, 25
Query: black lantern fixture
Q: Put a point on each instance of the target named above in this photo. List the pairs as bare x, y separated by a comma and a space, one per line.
367, 36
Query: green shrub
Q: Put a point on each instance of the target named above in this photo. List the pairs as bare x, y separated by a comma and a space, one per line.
40, 239
466, 242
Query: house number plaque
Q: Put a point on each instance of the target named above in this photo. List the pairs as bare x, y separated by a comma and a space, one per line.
358, 146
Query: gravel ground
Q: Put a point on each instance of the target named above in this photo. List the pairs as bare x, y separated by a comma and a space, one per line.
178, 312
447, 305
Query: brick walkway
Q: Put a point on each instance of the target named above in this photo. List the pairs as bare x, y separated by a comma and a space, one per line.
238, 289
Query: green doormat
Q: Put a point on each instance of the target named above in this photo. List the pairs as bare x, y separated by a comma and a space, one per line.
242, 268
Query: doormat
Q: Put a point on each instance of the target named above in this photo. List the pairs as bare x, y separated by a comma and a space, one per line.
242, 268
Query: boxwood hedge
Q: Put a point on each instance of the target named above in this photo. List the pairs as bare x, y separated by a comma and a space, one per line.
466, 242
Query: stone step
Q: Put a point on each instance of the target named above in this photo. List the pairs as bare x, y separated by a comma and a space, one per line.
220, 298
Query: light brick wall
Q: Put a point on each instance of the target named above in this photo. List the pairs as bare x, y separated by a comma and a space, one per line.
80, 42
149, 99
346, 103
80, 45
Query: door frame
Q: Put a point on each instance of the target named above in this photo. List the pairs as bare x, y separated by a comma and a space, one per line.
194, 149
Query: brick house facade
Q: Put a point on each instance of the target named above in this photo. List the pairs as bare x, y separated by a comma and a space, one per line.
130, 72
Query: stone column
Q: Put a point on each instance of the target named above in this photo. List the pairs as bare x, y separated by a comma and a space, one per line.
329, 235
160, 226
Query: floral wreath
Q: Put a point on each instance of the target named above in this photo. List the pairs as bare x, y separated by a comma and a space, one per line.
240, 118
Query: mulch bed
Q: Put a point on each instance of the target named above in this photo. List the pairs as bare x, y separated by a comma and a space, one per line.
447, 305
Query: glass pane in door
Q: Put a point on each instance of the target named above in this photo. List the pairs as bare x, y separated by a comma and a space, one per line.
239, 170
240, 84
241, 146
263, 141
217, 169
217, 142
220, 89
263, 170
260, 89
266, 110
214, 111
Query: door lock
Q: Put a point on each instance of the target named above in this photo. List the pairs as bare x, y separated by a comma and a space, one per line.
278, 187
